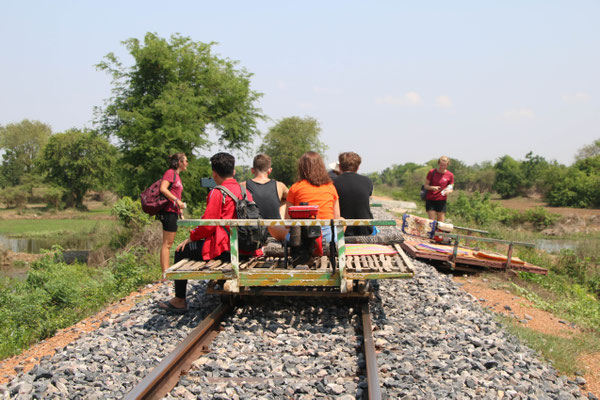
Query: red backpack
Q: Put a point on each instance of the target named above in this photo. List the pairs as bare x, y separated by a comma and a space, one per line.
153, 201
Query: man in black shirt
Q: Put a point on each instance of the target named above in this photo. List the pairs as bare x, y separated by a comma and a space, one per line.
269, 195
354, 191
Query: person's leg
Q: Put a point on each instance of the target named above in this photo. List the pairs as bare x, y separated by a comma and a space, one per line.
192, 251
327, 234
430, 208
441, 210
165, 250
169, 223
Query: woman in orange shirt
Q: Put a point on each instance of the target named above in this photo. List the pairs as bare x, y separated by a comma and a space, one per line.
314, 186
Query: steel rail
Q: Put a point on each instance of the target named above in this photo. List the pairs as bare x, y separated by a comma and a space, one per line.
374, 390
163, 378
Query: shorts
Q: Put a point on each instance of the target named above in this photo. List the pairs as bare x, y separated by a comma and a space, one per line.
169, 221
435, 205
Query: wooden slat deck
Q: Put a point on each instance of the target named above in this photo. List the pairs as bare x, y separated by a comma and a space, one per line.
417, 252
269, 271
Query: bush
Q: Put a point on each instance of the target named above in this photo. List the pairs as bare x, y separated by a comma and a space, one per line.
56, 295
51, 195
577, 189
478, 209
15, 196
130, 214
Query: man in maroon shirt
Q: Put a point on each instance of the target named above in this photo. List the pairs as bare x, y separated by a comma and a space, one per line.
439, 183
209, 242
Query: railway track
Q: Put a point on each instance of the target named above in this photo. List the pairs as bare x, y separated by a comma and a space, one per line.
165, 376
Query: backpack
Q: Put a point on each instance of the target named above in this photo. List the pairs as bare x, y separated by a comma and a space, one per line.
250, 238
423, 193
153, 201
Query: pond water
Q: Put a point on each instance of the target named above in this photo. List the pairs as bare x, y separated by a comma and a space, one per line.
35, 245
556, 245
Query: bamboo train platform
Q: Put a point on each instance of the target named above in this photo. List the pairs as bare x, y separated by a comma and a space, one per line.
430, 240
353, 262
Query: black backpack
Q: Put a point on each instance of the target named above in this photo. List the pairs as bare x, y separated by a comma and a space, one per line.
250, 238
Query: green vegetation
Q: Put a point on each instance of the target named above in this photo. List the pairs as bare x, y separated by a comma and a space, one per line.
175, 92
479, 210
573, 186
51, 227
287, 141
563, 351
55, 295
21, 143
78, 161
49, 299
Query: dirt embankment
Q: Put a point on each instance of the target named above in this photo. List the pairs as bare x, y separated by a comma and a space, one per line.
573, 220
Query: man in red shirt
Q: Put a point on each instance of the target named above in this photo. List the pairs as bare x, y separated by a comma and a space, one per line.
439, 184
209, 242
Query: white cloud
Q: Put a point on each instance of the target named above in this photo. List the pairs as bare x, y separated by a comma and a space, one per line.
409, 98
413, 98
576, 98
519, 114
323, 90
443, 101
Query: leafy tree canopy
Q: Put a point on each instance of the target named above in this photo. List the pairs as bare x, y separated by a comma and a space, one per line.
169, 99
509, 177
79, 161
21, 143
590, 150
287, 141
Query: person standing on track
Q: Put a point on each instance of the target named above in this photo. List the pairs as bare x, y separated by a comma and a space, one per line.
209, 242
439, 183
171, 187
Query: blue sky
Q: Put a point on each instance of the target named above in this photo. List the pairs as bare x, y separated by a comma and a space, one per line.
395, 81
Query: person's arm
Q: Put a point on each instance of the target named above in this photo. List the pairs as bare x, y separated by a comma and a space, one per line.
450, 188
282, 191
428, 185
336, 209
164, 190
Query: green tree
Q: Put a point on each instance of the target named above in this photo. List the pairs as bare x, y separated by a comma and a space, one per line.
578, 187
590, 150
287, 141
21, 143
175, 92
79, 161
509, 177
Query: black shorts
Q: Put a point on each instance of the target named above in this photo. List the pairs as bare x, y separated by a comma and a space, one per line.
169, 221
435, 205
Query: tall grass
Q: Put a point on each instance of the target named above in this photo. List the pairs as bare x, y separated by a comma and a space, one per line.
56, 295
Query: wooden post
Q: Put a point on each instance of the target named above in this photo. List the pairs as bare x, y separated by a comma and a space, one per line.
508, 257
455, 251
235, 257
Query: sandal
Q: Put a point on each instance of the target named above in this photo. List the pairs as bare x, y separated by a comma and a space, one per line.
167, 306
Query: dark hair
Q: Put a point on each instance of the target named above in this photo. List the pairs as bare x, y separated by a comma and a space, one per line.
261, 163
349, 161
175, 159
312, 168
223, 164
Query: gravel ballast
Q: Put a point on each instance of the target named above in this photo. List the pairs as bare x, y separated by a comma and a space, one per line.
434, 341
